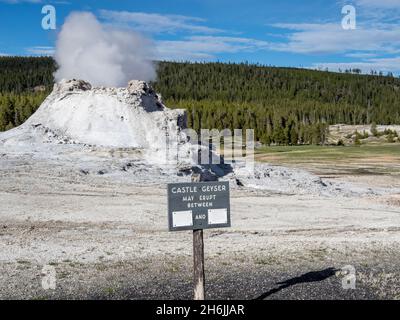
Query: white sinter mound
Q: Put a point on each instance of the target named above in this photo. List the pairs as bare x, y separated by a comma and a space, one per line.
121, 132
113, 117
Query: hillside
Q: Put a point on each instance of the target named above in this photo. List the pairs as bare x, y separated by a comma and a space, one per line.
283, 105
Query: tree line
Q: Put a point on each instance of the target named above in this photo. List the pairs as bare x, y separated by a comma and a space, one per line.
16, 108
20, 74
24, 84
285, 106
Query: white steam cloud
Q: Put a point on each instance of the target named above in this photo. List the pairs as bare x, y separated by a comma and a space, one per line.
102, 55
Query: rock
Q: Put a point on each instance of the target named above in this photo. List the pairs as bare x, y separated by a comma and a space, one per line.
239, 183
139, 87
39, 88
72, 85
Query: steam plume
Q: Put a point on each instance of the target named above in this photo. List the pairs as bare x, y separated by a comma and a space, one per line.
101, 55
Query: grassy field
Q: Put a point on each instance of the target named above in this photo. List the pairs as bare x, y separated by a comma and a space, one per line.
364, 159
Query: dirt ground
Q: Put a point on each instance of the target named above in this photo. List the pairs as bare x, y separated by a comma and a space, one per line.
109, 240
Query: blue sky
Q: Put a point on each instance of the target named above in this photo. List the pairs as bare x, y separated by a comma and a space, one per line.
294, 33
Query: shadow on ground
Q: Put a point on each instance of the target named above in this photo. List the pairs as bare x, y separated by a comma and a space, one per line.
314, 276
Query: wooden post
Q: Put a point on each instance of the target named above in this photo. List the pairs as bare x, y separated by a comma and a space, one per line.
198, 257
198, 262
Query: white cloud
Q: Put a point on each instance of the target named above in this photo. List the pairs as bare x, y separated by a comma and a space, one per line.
206, 47
202, 45
58, 2
361, 55
376, 64
331, 38
21, 1
157, 23
382, 4
376, 10
370, 44
41, 51
374, 44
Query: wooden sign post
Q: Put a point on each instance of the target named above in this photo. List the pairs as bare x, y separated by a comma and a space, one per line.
198, 258
197, 206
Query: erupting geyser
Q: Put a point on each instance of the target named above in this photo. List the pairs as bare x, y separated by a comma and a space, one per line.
102, 55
